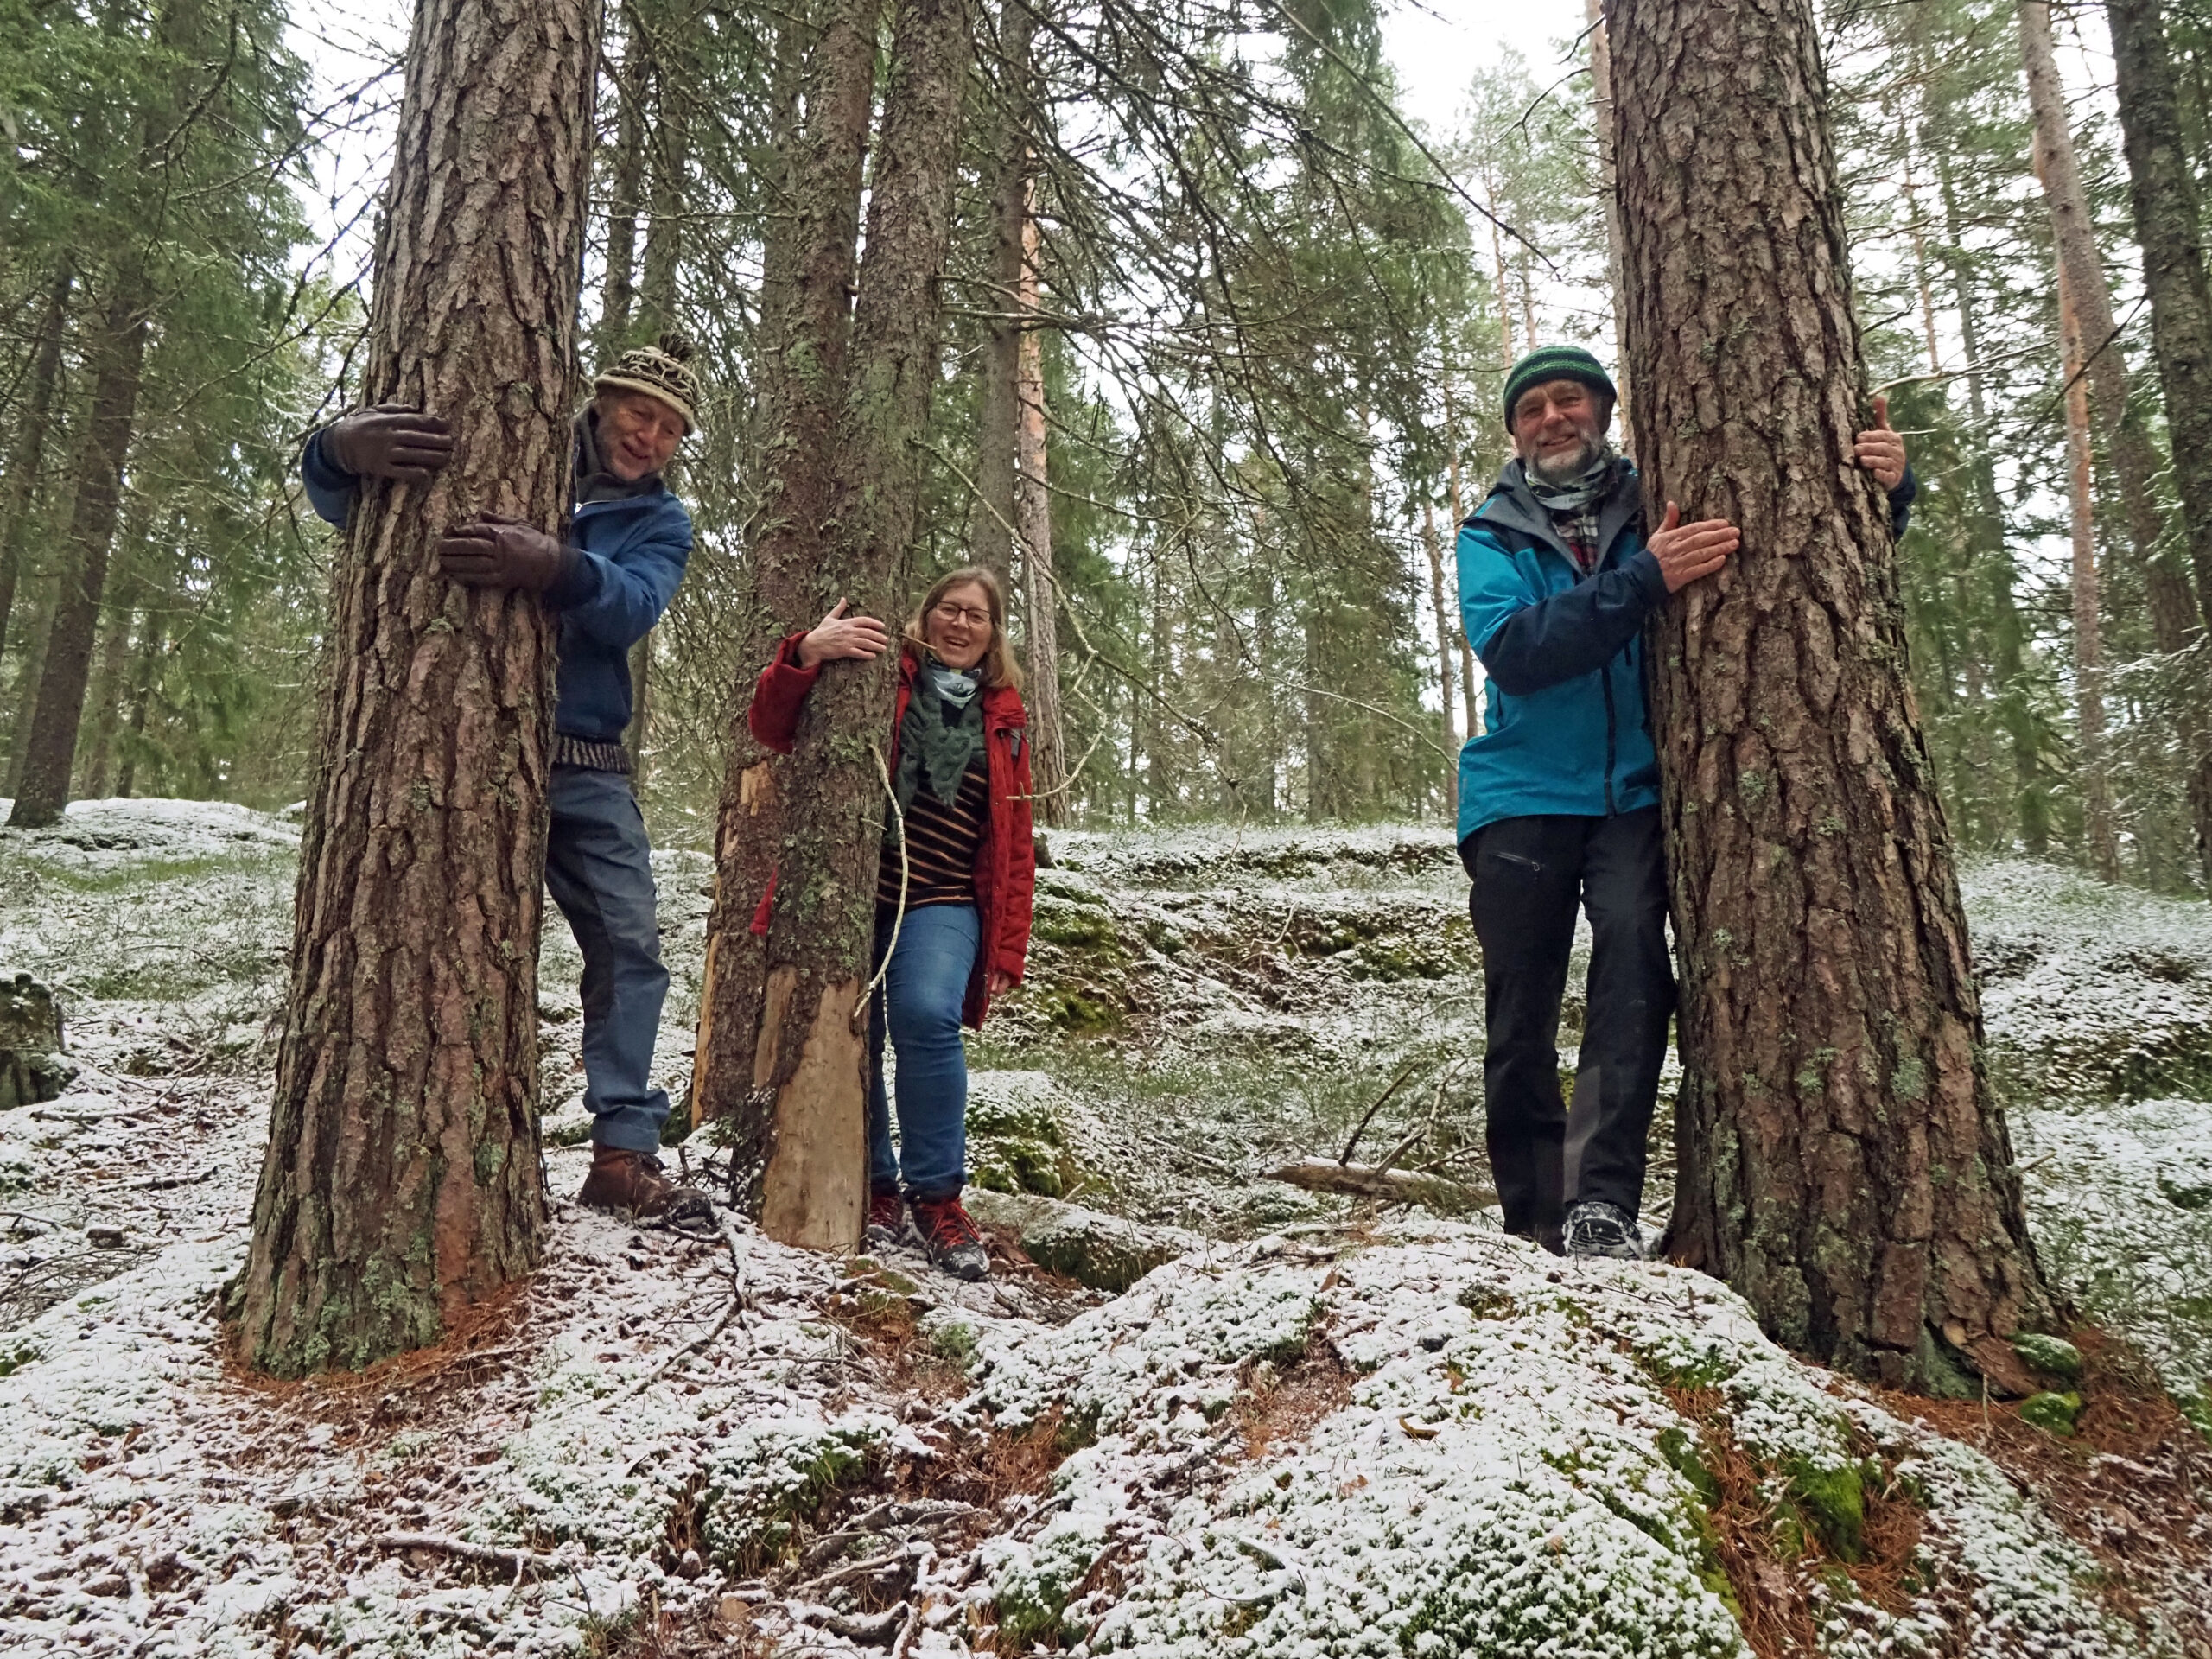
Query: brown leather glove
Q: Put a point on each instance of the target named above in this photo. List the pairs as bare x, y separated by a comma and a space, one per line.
389, 440
494, 552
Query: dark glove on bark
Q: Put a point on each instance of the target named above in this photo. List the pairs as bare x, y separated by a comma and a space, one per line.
389, 440
501, 553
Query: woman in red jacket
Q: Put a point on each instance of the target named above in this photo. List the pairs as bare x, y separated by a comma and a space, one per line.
954, 912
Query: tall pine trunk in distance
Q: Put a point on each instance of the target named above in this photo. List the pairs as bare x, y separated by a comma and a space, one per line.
1844, 1164
2098, 828
42, 791
626, 187
401, 1185
810, 1057
96, 746
998, 431
1032, 522
25, 460
2172, 601
806, 325
1433, 545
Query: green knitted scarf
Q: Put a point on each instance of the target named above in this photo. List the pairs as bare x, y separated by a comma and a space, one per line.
941, 735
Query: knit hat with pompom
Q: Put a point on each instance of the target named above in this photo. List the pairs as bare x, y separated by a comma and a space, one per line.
662, 371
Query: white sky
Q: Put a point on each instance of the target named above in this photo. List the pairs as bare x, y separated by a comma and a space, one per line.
1436, 46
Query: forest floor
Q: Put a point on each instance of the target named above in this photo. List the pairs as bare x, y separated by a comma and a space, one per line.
1314, 1430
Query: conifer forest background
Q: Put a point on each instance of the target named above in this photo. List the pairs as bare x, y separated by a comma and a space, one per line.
1269, 307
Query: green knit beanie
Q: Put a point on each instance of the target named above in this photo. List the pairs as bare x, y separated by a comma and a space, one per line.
1554, 363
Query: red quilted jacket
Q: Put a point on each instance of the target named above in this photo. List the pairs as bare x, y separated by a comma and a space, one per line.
1005, 864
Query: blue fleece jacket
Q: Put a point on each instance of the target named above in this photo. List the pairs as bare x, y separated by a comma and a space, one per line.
1565, 729
634, 551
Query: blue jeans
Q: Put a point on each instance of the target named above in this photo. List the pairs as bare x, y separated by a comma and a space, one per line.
919, 1003
598, 868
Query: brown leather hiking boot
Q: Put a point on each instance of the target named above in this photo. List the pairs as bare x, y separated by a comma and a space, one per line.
633, 1184
949, 1237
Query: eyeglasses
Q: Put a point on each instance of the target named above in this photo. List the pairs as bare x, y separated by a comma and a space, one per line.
974, 619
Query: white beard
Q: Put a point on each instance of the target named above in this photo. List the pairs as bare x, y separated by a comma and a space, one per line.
1566, 467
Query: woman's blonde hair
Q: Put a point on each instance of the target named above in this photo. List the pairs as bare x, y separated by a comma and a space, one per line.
998, 666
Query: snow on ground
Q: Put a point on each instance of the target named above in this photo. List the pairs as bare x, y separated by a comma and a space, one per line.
1422, 1440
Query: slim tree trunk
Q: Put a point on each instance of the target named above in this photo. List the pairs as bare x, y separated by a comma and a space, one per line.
626, 186
1469, 692
810, 1060
153, 638
105, 698
668, 153
2088, 649
1993, 558
43, 789
2174, 606
2170, 232
29, 454
806, 328
998, 433
1601, 109
1435, 546
401, 1183
1843, 1161
1032, 518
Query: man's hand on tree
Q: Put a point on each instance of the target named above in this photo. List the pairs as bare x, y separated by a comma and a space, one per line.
1686, 552
496, 552
1881, 451
839, 638
389, 440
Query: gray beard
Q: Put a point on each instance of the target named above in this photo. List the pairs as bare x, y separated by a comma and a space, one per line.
1565, 469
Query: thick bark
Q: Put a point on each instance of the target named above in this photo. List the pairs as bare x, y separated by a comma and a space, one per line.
1433, 545
991, 542
401, 1184
1843, 1161
1033, 521
811, 1058
806, 328
43, 789
29, 454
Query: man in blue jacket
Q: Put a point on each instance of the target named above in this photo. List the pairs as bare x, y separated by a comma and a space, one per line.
1559, 796
609, 580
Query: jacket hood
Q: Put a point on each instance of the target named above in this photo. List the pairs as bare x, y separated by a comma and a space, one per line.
1512, 505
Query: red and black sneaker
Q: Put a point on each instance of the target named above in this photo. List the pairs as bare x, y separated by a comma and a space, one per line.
949, 1237
886, 1215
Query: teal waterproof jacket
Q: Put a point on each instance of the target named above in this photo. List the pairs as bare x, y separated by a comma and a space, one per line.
1566, 727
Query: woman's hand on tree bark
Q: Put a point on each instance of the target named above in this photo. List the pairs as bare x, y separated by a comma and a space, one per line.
839, 638
1881, 450
1686, 552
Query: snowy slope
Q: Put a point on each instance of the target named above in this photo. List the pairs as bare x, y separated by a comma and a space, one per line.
1318, 1436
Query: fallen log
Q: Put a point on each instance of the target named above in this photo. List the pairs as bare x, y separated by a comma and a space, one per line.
517, 1562
1390, 1186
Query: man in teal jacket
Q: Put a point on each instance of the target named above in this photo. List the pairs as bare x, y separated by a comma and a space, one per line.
1559, 796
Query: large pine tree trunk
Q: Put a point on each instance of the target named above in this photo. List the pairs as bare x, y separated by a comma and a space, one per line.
401, 1183
30, 453
806, 324
2172, 604
58, 710
810, 1057
1843, 1161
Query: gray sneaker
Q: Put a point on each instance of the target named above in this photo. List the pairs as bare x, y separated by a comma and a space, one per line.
1596, 1228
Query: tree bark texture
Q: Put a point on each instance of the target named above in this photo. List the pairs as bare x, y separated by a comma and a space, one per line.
43, 789
29, 456
806, 331
2172, 604
1843, 1161
811, 1058
998, 430
401, 1184
1033, 521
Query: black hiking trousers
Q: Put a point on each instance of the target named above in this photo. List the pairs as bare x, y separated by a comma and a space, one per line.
1530, 874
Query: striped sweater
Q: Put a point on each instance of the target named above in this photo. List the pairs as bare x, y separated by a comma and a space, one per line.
942, 843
